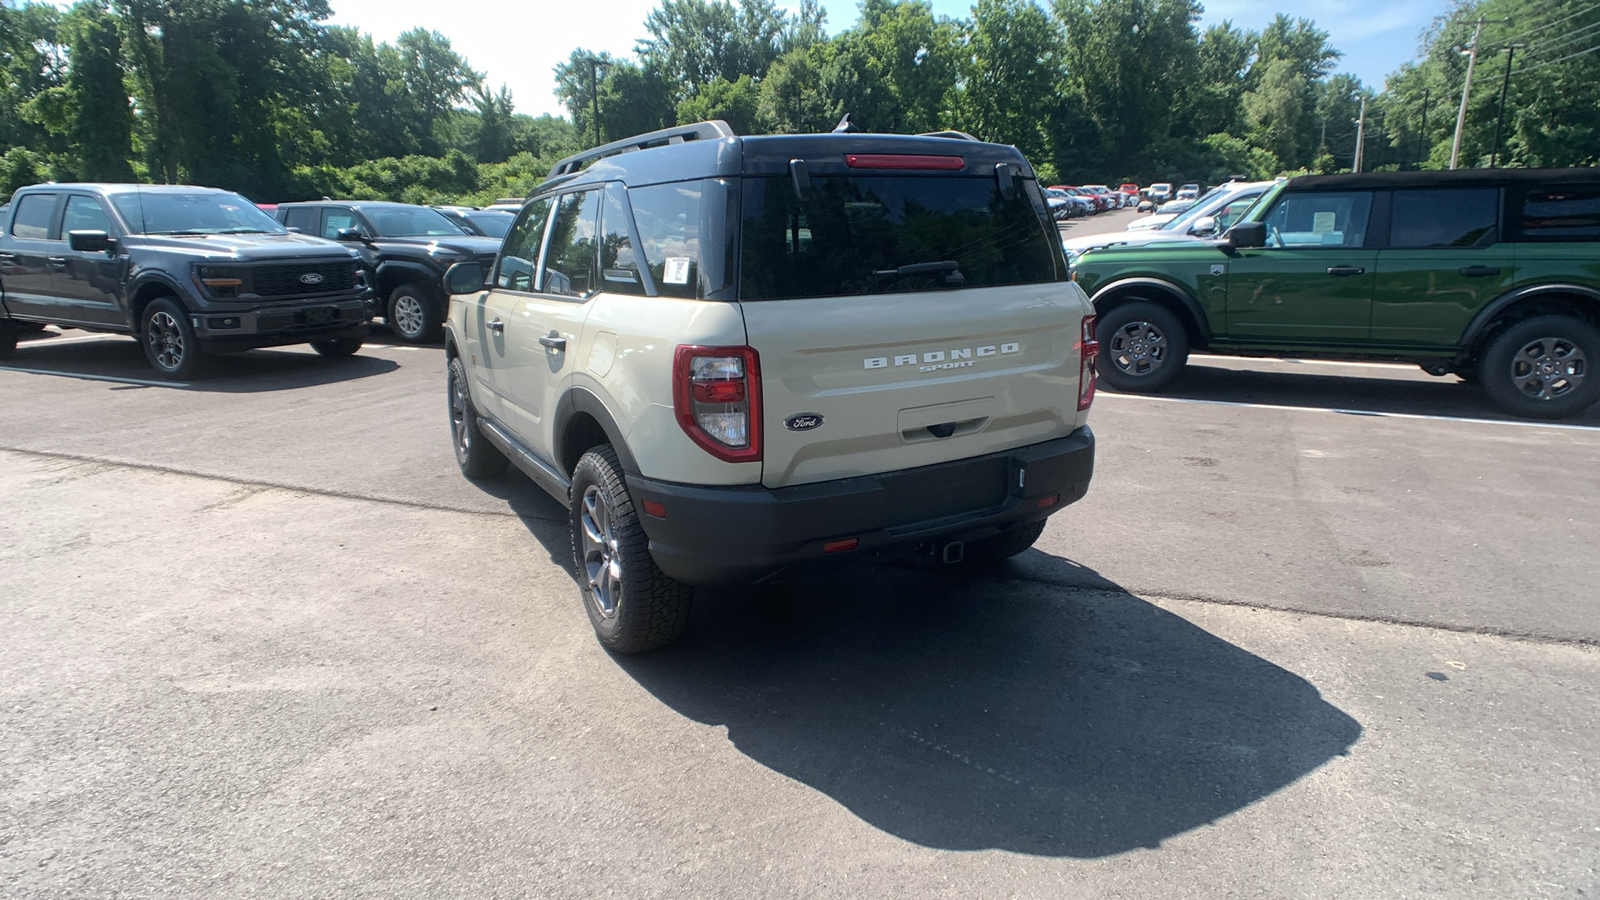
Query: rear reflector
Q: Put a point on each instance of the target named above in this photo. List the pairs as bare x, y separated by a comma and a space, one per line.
903, 161
655, 508
1049, 501
840, 546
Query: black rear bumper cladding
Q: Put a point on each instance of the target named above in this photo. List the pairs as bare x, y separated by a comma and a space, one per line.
747, 534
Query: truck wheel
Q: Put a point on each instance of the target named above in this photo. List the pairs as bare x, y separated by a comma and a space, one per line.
474, 454
632, 604
337, 347
1539, 367
1142, 348
169, 341
1004, 545
412, 316
8, 337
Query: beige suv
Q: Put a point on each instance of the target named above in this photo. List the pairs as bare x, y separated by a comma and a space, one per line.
734, 358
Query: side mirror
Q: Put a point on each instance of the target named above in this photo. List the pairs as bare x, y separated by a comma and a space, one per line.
349, 236
1203, 225
1244, 235
293, 229
464, 278
89, 241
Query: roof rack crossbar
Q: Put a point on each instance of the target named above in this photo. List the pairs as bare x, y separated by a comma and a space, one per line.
699, 131
956, 135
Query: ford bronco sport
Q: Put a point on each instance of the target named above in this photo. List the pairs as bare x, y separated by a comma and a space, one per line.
188, 270
1493, 275
734, 358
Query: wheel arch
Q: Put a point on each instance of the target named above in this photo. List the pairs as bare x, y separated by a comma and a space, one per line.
394, 274
1523, 303
582, 422
1161, 292
148, 291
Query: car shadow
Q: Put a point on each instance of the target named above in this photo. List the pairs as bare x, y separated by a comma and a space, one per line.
993, 709
1352, 393
254, 371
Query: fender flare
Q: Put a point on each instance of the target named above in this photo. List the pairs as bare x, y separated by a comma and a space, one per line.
1196, 314
1480, 322
582, 400
145, 279
412, 272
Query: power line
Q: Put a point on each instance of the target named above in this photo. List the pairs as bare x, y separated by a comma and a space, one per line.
1539, 28
1568, 38
1551, 62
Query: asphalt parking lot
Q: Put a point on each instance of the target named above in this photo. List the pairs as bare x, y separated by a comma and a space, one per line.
1318, 630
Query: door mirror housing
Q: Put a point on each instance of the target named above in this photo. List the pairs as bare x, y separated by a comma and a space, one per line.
87, 241
350, 236
1245, 235
1203, 226
464, 278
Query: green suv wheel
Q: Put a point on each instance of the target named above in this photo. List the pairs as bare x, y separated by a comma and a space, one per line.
1142, 347
1539, 367
632, 604
477, 457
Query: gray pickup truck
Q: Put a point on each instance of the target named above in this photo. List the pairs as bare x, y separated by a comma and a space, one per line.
188, 270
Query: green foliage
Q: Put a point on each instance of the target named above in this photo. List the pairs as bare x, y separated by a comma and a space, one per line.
734, 102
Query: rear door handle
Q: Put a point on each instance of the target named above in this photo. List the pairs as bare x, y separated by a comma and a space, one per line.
554, 341
1343, 271
496, 326
1479, 271
59, 262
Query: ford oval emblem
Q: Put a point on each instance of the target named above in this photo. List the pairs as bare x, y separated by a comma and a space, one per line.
802, 422
311, 278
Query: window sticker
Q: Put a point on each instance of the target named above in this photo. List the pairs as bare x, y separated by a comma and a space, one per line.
677, 270
1322, 222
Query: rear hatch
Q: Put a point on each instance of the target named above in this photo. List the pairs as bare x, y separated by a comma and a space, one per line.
905, 316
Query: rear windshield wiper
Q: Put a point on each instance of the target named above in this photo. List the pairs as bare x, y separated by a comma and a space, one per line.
949, 268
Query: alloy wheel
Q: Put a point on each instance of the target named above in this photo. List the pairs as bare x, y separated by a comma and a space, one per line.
1548, 368
166, 341
460, 428
409, 316
1138, 348
601, 563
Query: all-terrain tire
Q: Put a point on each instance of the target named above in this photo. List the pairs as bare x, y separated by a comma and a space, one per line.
413, 316
1142, 347
1543, 367
631, 603
337, 347
477, 458
169, 341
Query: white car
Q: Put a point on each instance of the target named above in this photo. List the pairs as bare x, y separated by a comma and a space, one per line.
1188, 192
1210, 216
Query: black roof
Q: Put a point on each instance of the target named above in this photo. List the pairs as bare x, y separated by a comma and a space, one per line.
1444, 178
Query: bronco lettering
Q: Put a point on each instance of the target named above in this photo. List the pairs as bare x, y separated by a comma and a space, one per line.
939, 356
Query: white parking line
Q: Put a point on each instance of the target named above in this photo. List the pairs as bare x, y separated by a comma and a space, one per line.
112, 378
1352, 412
76, 339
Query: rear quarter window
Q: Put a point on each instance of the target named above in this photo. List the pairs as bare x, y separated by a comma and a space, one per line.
886, 234
1561, 214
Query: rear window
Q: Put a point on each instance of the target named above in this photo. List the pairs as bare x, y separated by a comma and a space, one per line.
1563, 214
33, 217
1457, 217
888, 234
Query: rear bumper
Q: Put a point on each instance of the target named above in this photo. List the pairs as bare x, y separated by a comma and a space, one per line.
748, 534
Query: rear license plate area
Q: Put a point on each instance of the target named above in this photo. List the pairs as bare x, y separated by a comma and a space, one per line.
938, 492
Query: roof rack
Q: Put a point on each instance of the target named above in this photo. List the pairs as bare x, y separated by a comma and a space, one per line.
699, 131
955, 135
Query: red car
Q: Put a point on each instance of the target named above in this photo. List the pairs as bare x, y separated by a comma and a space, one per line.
1101, 204
1129, 188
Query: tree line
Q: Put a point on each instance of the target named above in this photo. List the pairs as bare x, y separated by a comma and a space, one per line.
264, 97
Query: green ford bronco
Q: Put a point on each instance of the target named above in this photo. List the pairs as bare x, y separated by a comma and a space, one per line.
1491, 275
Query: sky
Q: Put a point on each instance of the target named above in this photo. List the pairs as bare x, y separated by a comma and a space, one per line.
517, 43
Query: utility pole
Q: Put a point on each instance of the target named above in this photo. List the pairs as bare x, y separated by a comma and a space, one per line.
594, 94
1494, 153
1361, 134
1472, 61
1422, 134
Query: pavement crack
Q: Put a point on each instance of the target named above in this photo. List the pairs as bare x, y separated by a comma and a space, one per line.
258, 484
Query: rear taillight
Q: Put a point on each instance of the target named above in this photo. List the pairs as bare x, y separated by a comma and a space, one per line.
716, 394
1088, 349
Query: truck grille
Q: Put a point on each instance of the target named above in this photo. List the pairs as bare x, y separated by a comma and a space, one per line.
280, 281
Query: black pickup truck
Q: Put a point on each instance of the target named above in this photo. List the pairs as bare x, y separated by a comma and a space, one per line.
188, 270
406, 249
